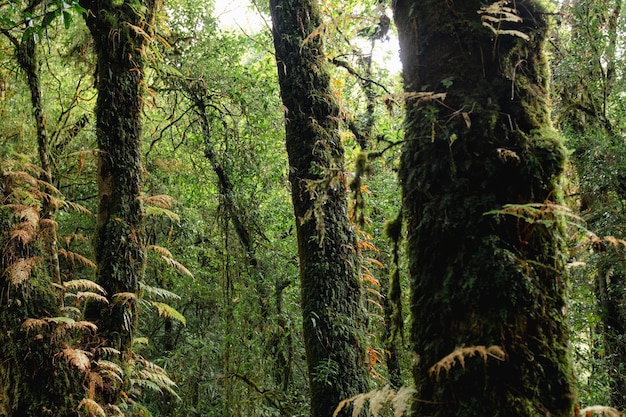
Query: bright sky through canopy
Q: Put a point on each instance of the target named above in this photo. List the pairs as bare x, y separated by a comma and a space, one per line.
241, 15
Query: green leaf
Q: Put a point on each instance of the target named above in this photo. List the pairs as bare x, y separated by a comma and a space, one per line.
67, 19
168, 311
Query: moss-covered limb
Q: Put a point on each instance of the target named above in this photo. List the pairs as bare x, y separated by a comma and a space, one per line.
120, 31
330, 289
476, 279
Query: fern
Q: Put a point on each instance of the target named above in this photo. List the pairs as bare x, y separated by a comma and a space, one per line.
159, 292
167, 256
110, 370
168, 311
76, 258
76, 207
161, 200
160, 250
377, 399
87, 295
77, 358
18, 272
600, 410
459, 355
83, 284
92, 407
497, 13
177, 266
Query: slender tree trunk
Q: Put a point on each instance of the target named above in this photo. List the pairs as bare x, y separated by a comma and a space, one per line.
610, 293
120, 32
26, 53
490, 283
333, 320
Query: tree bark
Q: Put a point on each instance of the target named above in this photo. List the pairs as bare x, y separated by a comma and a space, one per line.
610, 293
120, 32
333, 319
483, 280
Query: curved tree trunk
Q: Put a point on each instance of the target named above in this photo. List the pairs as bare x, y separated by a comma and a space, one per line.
492, 284
333, 319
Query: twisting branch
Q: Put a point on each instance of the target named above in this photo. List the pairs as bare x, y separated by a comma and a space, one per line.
346, 65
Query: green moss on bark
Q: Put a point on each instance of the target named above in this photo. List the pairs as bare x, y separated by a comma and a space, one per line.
483, 280
330, 289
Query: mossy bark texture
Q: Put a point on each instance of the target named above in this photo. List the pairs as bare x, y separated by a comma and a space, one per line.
120, 31
330, 288
482, 279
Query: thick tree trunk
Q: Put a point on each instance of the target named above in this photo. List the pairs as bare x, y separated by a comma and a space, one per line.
482, 280
120, 33
333, 320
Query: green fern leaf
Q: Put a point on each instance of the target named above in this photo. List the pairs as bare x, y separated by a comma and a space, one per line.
168, 311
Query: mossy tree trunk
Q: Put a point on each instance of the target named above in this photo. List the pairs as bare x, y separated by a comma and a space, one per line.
120, 31
483, 279
333, 319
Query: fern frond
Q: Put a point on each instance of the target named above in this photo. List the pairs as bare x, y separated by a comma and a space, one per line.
168, 311
22, 233
76, 207
159, 292
75, 258
67, 321
141, 341
109, 351
177, 266
71, 310
110, 370
27, 213
48, 224
377, 399
600, 410
85, 325
158, 211
499, 12
84, 284
160, 250
92, 407
121, 296
88, 295
77, 358
22, 176
161, 200
19, 271
44, 185
400, 402
459, 355
115, 411
154, 377
31, 324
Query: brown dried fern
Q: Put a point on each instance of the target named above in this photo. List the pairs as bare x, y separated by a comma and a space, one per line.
76, 258
459, 355
600, 411
377, 399
77, 358
18, 272
92, 407
161, 200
